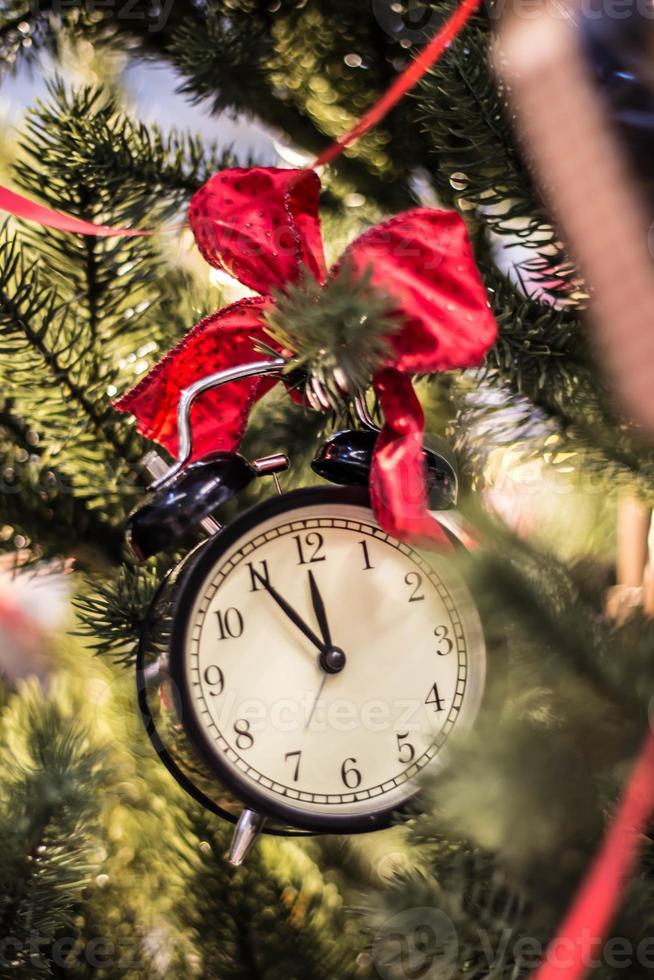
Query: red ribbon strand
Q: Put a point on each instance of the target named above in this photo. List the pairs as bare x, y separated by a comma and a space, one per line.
22, 207
406, 81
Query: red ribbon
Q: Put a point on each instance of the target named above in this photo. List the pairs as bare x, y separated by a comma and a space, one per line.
261, 225
22, 207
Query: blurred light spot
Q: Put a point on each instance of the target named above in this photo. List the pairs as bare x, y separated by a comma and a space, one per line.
218, 277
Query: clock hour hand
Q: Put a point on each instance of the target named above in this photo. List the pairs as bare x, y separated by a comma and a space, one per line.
290, 612
319, 609
332, 659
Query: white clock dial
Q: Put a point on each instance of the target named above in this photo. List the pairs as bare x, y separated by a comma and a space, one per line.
331, 715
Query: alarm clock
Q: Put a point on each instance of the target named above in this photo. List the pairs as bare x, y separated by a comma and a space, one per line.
300, 669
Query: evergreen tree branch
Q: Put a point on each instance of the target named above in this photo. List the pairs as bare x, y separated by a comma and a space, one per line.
274, 918
49, 801
478, 166
112, 614
74, 309
342, 327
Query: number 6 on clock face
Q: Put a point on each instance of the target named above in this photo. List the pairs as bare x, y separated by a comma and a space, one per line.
323, 665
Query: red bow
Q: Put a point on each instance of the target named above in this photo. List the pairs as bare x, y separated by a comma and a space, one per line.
261, 225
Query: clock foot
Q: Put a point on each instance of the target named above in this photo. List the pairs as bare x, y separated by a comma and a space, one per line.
248, 828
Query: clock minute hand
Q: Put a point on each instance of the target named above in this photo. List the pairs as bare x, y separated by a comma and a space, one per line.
290, 612
319, 609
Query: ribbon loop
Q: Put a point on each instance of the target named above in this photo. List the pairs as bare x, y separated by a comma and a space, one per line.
423, 258
260, 225
218, 417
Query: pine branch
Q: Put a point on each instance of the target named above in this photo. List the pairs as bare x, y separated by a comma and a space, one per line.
113, 613
274, 918
79, 312
342, 327
238, 57
49, 802
247, 59
463, 901
85, 131
478, 166
33, 491
543, 354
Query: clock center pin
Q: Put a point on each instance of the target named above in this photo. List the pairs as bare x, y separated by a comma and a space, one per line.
332, 660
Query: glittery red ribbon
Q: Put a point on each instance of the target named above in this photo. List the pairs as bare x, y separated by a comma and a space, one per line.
261, 225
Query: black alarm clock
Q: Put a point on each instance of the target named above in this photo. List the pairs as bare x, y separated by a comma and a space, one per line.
301, 668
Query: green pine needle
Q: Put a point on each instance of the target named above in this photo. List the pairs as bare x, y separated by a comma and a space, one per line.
343, 327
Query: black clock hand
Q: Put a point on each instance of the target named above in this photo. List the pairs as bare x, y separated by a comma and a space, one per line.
332, 659
319, 609
290, 612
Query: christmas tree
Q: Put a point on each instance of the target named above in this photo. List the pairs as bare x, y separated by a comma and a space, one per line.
108, 868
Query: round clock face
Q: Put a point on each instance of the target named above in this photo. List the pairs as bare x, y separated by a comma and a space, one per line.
323, 664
